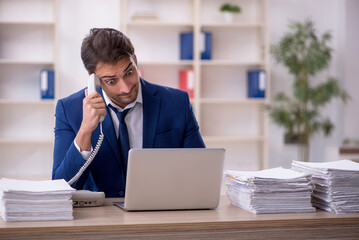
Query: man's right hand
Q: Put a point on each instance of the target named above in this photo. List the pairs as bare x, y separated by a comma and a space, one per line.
93, 107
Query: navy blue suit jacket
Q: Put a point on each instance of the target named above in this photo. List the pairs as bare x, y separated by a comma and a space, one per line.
168, 122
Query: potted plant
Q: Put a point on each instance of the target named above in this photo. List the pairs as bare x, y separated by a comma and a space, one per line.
229, 10
305, 54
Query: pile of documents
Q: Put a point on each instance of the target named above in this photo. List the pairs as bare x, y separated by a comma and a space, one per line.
336, 184
35, 200
275, 190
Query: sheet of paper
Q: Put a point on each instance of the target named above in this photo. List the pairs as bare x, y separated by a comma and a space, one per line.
345, 165
11, 185
273, 173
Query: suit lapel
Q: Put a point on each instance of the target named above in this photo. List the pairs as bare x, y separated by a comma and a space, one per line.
151, 109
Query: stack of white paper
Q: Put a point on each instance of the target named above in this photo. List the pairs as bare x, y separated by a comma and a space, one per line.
336, 184
35, 200
275, 190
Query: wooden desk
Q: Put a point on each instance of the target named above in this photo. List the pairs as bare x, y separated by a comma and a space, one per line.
225, 222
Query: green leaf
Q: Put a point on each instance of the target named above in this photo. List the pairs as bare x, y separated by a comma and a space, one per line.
226, 7
315, 127
309, 115
282, 117
282, 97
327, 127
323, 93
300, 89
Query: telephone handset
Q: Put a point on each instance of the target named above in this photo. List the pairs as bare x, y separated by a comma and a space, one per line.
93, 83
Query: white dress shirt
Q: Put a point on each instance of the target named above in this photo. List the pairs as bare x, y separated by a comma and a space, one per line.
133, 119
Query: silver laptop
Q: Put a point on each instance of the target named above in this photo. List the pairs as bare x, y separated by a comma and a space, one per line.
173, 179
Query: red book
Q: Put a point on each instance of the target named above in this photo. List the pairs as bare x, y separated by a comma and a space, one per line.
186, 81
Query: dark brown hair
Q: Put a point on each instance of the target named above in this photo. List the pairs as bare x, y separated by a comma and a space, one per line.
104, 45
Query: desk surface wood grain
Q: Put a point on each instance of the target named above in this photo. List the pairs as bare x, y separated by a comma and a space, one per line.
226, 221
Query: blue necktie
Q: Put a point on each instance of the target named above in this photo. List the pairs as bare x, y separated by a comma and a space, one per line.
123, 141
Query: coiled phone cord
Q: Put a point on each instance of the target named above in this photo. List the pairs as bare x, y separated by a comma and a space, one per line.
89, 160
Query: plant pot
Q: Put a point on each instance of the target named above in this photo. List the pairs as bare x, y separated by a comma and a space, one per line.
294, 138
228, 17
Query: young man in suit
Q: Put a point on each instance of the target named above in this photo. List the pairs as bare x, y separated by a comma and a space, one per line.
154, 117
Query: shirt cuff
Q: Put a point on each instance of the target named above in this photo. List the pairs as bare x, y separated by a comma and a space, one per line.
85, 154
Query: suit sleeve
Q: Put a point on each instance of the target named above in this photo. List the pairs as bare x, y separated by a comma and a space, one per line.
192, 136
67, 159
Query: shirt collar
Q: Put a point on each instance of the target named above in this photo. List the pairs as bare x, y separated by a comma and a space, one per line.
138, 99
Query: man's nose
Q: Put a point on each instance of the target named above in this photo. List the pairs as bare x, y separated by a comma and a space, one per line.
123, 86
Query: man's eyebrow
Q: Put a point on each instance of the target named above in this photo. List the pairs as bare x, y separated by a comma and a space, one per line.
107, 76
129, 65
112, 76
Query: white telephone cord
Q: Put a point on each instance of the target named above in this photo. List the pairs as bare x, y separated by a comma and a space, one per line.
89, 160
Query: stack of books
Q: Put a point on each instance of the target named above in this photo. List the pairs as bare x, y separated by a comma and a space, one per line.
336, 184
23, 200
275, 190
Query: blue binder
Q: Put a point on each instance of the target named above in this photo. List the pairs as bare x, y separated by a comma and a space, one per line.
47, 84
186, 48
256, 83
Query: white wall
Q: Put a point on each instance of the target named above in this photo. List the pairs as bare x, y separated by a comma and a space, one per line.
327, 15
351, 111
76, 18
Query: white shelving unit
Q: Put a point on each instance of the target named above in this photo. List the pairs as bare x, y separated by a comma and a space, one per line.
227, 118
27, 45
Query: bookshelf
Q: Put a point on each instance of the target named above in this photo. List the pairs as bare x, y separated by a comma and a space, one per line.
227, 118
27, 45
